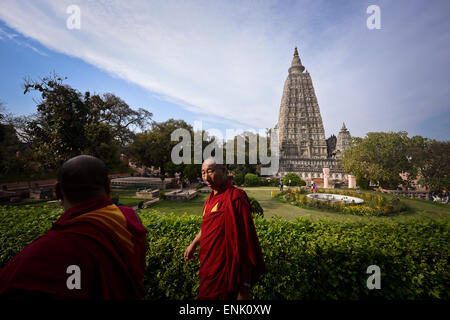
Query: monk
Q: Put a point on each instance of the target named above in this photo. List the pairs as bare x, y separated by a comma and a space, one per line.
95, 250
230, 256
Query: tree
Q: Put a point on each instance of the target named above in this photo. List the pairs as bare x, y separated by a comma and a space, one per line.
68, 123
153, 147
362, 182
433, 163
245, 168
294, 179
20, 125
9, 145
115, 112
2, 110
192, 172
58, 132
380, 157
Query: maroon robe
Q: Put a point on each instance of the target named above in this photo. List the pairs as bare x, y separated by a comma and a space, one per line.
230, 253
106, 242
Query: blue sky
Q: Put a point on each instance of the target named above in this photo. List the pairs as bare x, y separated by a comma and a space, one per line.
225, 62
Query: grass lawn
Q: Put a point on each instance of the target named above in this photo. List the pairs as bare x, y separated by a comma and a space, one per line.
417, 209
193, 206
126, 196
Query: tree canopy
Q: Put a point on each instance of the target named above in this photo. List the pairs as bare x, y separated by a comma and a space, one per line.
68, 123
293, 179
153, 147
381, 157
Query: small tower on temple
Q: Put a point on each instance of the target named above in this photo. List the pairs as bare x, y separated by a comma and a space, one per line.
343, 142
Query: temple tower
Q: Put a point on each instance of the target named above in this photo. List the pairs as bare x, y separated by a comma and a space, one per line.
301, 132
343, 142
301, 135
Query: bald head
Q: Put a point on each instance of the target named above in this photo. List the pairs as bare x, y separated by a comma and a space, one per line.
82, 178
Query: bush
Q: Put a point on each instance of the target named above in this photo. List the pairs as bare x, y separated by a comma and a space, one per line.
238, 179
312, 259
362, 182
252, 180
257, 209
305, 259
275, 182
294, 178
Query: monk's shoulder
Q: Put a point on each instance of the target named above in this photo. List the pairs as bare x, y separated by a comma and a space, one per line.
238, 194
56, 245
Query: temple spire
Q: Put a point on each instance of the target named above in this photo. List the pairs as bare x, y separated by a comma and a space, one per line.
296, 65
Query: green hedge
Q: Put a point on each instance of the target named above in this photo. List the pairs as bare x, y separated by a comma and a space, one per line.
239, 179
313, 260
257, 209
305, 259
252, 180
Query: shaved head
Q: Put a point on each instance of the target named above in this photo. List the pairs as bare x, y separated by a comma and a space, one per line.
82, 178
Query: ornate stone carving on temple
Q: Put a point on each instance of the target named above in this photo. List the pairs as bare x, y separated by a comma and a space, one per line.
303, 147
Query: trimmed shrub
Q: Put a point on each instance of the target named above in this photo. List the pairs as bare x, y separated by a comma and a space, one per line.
305, 259
257, 209
294, 178
312, 259
252, 180
275, 182
238, 179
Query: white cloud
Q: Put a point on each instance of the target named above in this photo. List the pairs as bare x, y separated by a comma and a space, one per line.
13, 36
229, 59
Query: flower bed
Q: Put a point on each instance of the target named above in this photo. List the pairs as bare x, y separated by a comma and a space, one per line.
374, 205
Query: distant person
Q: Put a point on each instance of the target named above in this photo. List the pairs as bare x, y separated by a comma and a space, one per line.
314, 187
281, 185
116, 201
95, 250
231, 259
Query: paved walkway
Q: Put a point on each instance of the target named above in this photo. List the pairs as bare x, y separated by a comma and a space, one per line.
48, 182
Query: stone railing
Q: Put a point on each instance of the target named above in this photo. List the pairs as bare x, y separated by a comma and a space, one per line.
408, 193
147, 194
179, 195
139, 182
